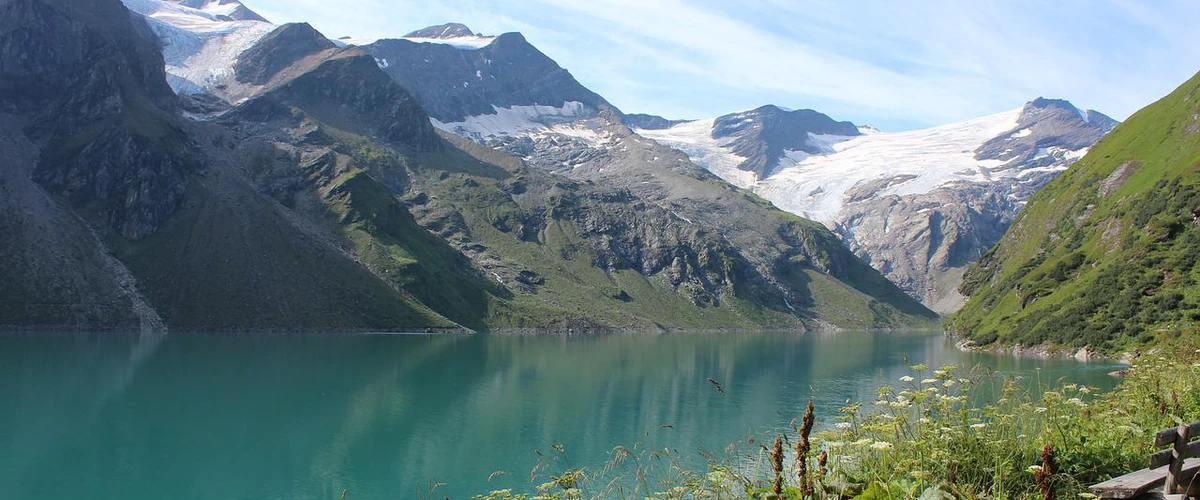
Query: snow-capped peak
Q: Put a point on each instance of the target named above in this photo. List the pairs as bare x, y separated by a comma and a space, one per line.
454, 34
448, 30
221, 10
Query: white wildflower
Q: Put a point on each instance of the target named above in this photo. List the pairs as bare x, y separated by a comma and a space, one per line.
979, 425
861, 442
1034, 468
881, 445
948, 384
843, 425
929, 381
1041, 409
906, 378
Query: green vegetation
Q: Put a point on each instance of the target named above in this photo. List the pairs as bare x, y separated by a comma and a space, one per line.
1104, 256
938, 433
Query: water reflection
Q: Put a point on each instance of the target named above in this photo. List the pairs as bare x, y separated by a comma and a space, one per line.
380, 416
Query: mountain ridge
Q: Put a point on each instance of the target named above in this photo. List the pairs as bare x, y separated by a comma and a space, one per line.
917, 205
1104, 255
318, 195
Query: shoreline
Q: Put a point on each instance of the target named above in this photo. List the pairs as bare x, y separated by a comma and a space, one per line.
1084, 354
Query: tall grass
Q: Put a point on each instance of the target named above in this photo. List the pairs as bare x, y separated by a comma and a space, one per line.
934, 434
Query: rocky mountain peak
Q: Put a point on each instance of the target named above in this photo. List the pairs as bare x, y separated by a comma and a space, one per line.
1045, 128
448, 30
223, 10
1043, 103
470, 81
277, 50
762, 135
650, 122
1041, 108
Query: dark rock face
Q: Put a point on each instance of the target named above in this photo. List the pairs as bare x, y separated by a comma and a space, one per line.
139, 179
448, 30
278, 50
348, 91
453, 84
649, 122
762, 135
75, 73
94, 87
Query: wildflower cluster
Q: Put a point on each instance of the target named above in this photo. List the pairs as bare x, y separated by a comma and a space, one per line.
940, 434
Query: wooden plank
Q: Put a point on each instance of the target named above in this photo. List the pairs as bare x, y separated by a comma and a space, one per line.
1136, 483
1164, 457
1167, 436
1182, 450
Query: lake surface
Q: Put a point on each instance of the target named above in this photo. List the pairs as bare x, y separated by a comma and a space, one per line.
241, 417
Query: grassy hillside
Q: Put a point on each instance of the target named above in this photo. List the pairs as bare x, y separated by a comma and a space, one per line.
1105, 255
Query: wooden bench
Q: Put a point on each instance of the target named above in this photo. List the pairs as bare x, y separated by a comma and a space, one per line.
1174, 468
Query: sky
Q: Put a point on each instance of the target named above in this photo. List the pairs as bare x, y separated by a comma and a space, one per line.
894, 64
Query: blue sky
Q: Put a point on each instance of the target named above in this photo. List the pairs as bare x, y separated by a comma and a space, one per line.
894, 64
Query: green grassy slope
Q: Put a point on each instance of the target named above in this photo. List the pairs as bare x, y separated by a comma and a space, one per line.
511, 234
522, 218
1105, 255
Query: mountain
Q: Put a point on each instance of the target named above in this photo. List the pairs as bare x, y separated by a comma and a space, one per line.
305, 189
507, 95
200, 39
456, 80
443, 31
918, 206
123, 215
1103, 256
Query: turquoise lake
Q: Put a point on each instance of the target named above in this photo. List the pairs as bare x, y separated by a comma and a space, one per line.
398, 416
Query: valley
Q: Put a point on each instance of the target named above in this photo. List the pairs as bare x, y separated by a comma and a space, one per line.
659, 250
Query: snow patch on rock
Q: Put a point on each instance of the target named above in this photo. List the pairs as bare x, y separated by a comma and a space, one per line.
695, 139
530, 121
